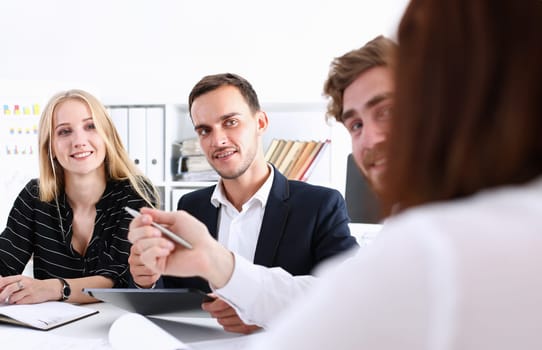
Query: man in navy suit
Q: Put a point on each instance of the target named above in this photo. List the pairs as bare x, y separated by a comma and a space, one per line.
267, 234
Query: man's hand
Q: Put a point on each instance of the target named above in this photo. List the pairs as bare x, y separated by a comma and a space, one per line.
227, 317
142, 276
207, 258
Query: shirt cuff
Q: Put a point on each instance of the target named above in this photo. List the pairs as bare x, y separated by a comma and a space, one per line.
243, 287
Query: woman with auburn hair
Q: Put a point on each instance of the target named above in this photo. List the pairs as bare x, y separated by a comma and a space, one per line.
71, 220
458, 265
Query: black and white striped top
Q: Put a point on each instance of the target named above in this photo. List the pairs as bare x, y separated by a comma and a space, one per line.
33, 228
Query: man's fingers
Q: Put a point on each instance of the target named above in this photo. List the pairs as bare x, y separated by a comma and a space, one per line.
153, 244
216, 305
159, 216
145, 282
134, 252
242, 329
230, 321
141, 271
154, 258
138, 231
234, 324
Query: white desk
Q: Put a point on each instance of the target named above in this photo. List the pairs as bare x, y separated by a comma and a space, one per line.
193, 328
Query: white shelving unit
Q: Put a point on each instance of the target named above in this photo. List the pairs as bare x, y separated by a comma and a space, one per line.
300, 121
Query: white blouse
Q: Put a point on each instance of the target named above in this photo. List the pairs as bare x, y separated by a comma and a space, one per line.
461, 275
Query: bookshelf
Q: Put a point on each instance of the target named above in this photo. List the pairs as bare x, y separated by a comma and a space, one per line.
296, 159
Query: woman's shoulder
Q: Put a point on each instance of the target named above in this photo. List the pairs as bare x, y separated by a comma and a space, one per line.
32, 188
124, 187
119, 186
29, 195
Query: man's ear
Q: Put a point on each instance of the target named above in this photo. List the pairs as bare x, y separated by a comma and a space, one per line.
262, 121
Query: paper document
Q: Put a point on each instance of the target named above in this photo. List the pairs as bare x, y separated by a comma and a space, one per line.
44, 316
28, 339
133, 331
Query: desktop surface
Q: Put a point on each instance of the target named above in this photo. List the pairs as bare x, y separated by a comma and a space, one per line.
195, 328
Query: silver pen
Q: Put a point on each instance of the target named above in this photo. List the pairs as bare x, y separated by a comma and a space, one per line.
162, 229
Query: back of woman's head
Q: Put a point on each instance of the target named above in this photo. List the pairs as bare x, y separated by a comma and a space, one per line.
469, 99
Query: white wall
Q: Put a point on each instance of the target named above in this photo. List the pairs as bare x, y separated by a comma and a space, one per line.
154, 51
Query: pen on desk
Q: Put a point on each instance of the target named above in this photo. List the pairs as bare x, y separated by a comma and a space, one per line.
162, 229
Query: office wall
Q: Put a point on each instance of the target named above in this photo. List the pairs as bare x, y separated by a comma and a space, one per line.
153, 51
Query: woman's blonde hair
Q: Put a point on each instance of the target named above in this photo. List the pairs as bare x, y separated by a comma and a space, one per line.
118, 165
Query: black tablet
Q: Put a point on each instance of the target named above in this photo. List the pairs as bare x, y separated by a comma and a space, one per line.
151, 301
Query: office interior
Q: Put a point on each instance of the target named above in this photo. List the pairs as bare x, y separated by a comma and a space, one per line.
147, 55
150, 54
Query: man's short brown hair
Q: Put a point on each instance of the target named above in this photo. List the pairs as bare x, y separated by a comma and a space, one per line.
345, 69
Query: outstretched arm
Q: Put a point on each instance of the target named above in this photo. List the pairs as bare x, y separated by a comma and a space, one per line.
19, 289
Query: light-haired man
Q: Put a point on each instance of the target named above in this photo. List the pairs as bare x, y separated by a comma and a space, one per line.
360, 86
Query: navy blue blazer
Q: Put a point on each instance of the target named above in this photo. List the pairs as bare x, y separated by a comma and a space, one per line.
302, 226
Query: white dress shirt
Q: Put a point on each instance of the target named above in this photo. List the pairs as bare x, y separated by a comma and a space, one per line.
458, 275
239, 230
256, 292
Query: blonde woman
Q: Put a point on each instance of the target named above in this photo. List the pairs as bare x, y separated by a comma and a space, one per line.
72, 220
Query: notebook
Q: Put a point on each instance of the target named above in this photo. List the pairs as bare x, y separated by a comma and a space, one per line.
44, 316
151, 301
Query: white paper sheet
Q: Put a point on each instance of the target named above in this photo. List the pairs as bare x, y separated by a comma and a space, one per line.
133, 331
44, 315
27, 339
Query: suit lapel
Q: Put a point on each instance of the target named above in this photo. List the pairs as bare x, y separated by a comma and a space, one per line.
210, 218
204, 211
274, 221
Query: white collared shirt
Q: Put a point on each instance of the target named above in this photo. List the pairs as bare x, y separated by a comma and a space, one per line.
239, 230
271, 289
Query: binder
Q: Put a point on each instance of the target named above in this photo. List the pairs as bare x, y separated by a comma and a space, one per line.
120, 119
155, 144
137, 137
